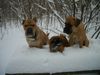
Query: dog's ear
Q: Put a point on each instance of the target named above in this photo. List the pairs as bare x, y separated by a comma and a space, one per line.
23, 22
78, 21
35, 19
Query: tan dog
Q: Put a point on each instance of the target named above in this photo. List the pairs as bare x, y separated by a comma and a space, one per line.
34, 35
58, 43
76, 31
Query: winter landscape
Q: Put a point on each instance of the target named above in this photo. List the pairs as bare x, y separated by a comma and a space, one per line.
17, 57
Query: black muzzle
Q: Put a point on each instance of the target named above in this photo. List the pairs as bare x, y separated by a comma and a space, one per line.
55, 45
67, 29
30, 33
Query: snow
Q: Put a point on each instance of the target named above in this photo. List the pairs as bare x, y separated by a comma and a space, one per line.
41, 60
40, 6
51, 1
17, 57
55, 12
8, 45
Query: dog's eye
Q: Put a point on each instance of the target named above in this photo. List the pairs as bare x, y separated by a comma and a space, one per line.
25, 26
28, 25
33, 25
74, 19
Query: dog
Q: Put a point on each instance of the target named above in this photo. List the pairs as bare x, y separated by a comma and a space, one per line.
75, 29
35, 37
58, 43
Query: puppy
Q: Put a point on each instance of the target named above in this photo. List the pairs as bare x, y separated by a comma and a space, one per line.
57, 43
75, 29
35, 37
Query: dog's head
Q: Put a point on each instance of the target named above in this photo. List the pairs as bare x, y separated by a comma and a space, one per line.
70, 22
29, 27
57, 43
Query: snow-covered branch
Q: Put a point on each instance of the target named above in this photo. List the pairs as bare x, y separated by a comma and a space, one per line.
40, 6
56, 14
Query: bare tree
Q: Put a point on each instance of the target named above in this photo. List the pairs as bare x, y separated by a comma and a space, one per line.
87, 10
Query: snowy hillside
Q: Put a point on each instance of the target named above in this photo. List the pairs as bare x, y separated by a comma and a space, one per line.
17, 57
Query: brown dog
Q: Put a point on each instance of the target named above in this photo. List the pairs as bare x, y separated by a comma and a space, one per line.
34, 35
57, 43
75, 28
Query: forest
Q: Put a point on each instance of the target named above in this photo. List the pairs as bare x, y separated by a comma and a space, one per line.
16, 10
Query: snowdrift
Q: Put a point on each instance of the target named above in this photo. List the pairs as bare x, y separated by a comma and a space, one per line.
17, 57
26, 60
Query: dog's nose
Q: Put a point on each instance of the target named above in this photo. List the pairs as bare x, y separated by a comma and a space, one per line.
29, 31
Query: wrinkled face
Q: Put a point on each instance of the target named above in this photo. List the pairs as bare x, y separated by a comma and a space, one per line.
71, 22
57, 43
29, 27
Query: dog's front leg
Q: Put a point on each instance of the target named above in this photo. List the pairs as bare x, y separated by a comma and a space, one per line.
34, 43
80, 43
37, 44
61, 48
87, 43
71, 41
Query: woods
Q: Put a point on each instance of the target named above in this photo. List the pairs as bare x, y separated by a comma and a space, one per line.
86, 10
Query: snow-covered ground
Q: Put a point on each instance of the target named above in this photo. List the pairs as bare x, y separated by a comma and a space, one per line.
17, 57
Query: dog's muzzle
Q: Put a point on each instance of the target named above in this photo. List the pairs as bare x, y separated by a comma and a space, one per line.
67, 29
55, 46
30, 33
